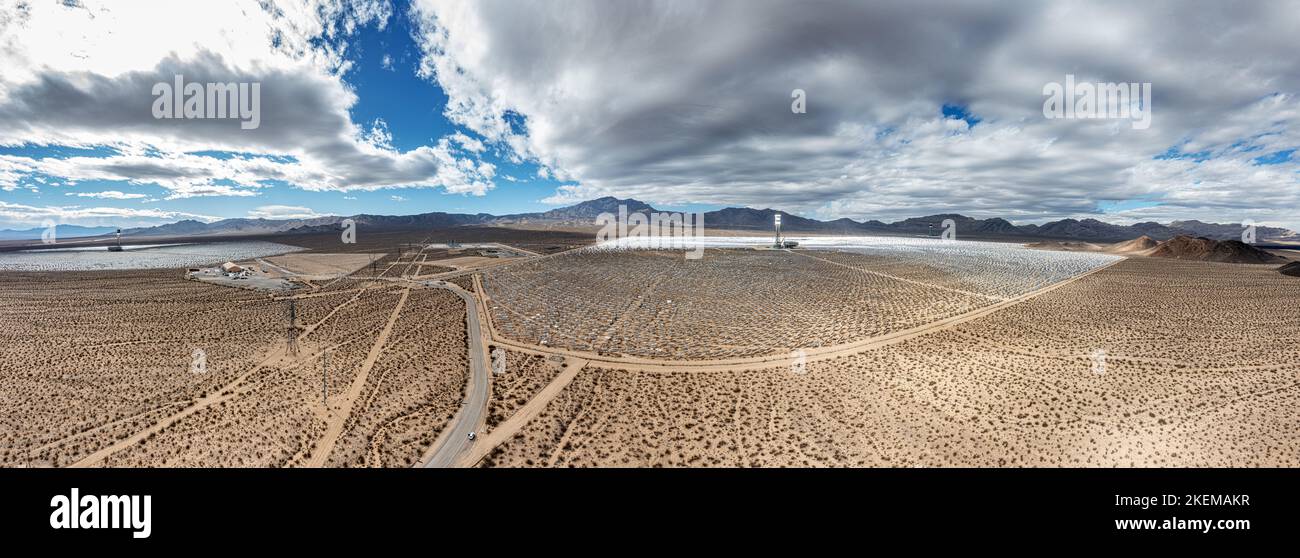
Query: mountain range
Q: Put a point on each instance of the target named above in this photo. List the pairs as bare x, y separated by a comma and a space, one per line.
731, 218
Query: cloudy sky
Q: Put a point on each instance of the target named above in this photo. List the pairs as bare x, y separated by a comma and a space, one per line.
912, 108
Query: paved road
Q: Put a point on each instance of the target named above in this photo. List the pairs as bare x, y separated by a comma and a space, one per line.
454, 441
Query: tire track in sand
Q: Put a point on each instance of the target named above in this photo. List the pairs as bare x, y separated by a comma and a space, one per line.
339, 418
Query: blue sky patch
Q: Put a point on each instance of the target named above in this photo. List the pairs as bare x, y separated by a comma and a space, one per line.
1275, 158
961, 112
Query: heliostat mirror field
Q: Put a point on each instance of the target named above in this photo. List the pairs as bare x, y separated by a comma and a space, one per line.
627, 298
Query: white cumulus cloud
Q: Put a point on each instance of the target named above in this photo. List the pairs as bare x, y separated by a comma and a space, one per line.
82, 76
108, 195
283, 212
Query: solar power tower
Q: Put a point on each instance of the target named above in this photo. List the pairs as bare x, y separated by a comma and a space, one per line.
777, 224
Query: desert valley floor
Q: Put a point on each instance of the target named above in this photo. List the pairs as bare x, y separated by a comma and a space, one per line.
642, 358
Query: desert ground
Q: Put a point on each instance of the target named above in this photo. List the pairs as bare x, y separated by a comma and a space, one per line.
324, 264
885, 356
1145, 363
100, 369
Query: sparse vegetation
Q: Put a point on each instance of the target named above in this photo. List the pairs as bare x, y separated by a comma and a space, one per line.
1200, 373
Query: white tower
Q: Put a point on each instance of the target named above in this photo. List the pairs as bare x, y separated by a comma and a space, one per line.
777, 224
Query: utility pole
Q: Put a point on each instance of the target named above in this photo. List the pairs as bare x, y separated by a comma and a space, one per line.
324, 376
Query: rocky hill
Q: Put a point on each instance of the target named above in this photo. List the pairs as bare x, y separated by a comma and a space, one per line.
1184, 247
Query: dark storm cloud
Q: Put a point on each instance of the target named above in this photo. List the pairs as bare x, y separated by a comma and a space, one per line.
690, 101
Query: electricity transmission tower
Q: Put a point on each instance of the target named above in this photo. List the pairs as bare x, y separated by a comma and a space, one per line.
291, 333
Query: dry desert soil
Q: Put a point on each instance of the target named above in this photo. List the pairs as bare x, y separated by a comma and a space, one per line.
99, 369
1145, 362
1200, 368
